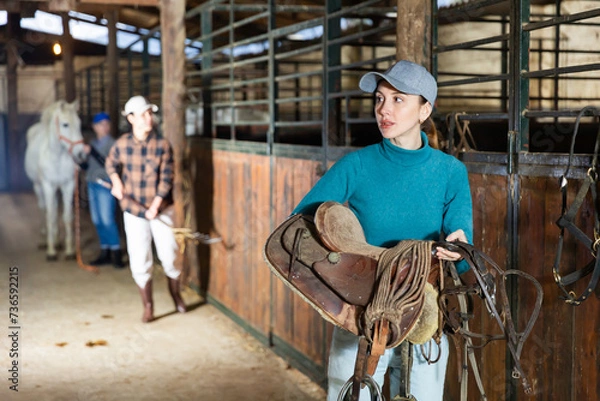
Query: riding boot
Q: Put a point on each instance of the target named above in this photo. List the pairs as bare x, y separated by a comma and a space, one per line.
174, 290
102, 259
146, 294
117, 258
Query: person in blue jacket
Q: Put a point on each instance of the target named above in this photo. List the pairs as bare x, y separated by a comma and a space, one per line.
102, 203
400, 188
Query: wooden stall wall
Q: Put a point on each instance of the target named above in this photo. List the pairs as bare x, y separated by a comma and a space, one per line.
236, 187
243, 196
560, 356
294, 321
490, 234
239, 188
562, 353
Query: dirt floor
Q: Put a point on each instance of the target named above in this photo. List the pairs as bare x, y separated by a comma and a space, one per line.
78, 336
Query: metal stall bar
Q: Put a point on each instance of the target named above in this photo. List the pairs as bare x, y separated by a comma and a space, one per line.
468, 88
298, 85
518, 130
350, 100
531, 26
565, 74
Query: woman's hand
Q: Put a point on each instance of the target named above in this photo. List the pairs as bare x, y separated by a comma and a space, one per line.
151, 213
444, 254
117, 188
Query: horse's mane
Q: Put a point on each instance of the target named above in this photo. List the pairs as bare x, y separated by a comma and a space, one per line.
48, 112
58, 106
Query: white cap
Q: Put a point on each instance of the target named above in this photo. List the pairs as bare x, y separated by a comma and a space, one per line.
138, 105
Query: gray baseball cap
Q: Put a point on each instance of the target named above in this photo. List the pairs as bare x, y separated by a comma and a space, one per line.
407, 77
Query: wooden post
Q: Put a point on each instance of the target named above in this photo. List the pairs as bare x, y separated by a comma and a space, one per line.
67, 57
112, 60
172, 20
15, 165
413, 32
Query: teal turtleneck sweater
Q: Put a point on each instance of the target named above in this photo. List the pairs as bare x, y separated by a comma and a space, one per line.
399, 194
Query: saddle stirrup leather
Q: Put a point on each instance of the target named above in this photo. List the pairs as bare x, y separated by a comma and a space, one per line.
566, 221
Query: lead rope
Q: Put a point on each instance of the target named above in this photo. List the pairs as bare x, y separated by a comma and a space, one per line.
182, 234
80, 262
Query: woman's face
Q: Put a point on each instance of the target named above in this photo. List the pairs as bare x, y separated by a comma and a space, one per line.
399, 116
141, 124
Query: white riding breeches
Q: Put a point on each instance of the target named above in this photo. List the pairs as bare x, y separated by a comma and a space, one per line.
426, 380
139, 234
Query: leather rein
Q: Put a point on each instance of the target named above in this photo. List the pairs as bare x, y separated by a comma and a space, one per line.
566, 221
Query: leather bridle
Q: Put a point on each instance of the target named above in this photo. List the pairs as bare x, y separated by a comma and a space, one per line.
567, 218
487, 287
63, 138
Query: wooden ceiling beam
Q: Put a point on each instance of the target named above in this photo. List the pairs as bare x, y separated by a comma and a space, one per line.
133, 3
15, 6
61, 5
10, 6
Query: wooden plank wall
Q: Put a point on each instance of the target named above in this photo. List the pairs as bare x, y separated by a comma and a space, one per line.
563, 351
237, 188
294, 321
234, 200
238, 192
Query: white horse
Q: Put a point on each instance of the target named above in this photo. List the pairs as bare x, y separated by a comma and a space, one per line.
54, 146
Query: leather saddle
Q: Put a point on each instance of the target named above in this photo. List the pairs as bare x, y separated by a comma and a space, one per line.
328, 262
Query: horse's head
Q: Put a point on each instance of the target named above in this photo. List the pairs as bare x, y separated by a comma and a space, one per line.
66, 123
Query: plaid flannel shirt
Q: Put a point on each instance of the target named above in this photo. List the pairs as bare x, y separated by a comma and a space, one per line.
146, 169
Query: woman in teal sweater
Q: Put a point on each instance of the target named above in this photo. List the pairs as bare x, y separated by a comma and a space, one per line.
399, 189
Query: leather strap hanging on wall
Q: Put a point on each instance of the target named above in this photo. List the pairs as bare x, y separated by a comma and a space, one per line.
566, 221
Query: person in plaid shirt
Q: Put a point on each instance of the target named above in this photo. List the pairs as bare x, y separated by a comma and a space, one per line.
140, 167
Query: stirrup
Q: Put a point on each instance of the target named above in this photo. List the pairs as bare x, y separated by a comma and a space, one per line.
409, 398
374, 389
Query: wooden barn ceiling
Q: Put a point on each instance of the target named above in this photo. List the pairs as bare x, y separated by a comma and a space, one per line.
145, 14
139, 14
